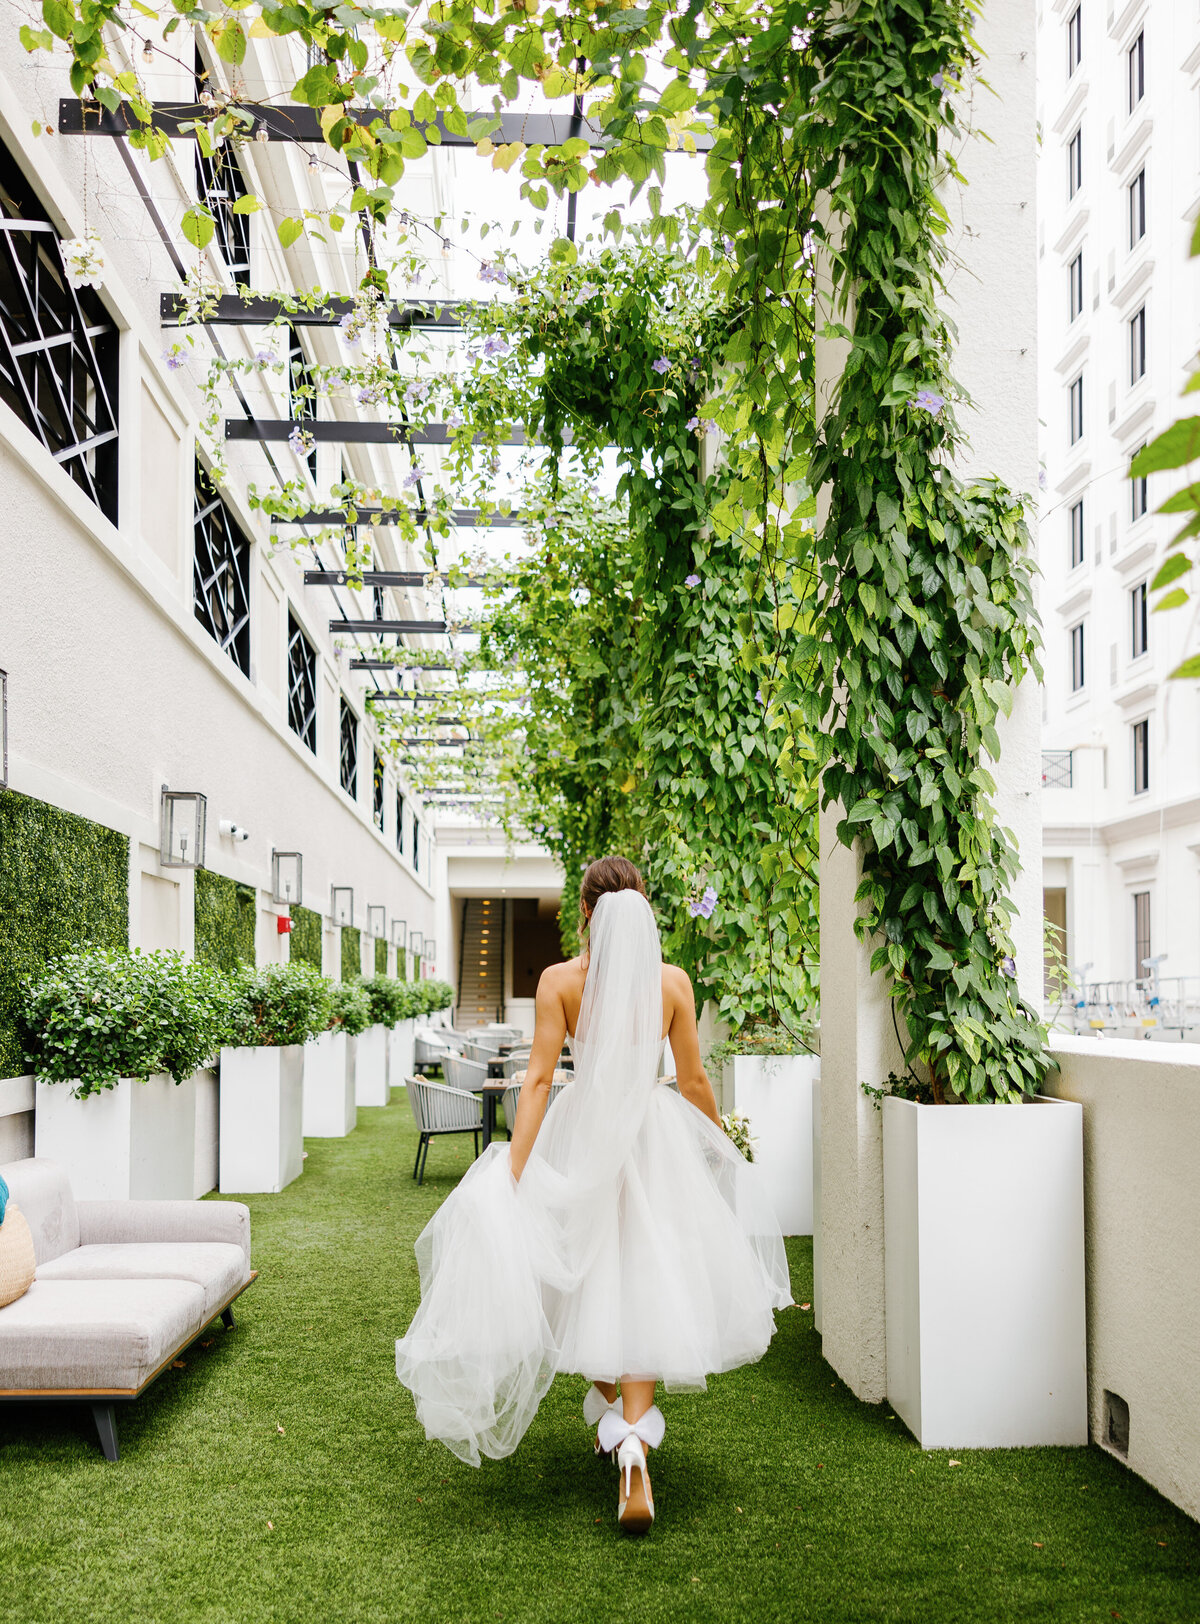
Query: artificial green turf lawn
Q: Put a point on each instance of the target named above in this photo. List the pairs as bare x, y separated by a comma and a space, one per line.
281, 1476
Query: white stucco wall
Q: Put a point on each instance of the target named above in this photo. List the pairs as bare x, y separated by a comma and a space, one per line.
1141, 1142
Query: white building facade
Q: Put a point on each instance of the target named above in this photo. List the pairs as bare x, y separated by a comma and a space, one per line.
1119, 300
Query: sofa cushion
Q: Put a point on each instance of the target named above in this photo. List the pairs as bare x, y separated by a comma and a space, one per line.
103, 1221
215, 1266
86, 1335
43, 1192
17, 1263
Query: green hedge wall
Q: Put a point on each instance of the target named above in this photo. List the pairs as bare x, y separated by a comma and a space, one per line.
225, 918
64, 883
308, 932
351, 953
380, 956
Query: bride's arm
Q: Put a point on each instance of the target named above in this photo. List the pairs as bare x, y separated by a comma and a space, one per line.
685, 1046
548, 1035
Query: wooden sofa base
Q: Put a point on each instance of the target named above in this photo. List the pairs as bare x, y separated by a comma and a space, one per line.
103, 1400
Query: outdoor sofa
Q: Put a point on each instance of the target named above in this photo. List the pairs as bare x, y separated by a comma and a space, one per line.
121, 1289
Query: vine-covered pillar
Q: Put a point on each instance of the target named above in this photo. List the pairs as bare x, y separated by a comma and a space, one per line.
992, 284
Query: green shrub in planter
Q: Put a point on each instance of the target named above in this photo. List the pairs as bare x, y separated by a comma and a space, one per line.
97, 1016
434, 995
350, 1007
278, 1004
391, 1000
761, 1037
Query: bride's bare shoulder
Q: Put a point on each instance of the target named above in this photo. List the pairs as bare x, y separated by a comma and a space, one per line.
677, 980
556, 977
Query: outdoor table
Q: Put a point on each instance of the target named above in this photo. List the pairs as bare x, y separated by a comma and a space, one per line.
488, 1095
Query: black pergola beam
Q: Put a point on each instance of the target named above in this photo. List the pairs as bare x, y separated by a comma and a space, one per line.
406, 578
383, 627
438, 697
275, 430
392, 665
258, 310
469, 518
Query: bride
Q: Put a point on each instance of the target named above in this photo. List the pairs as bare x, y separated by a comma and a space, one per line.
619, 1235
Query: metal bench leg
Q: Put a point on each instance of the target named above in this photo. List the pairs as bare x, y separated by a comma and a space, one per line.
105, 1417
227, 1319
477, 1145
423, 1160
420, 1148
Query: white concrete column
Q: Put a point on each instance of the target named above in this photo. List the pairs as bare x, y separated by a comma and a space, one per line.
992, 289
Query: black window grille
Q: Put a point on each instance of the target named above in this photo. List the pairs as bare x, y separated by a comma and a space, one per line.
302, 685
1141, 933
1141, 757
1057, 772
1075, 409
1075, 287
400, 822
1137, 346
1074, 40
1140, 621
416, 845
1077, 534
221, 574
377, 790
1077, 668
348, 753
1137, 208
58, 347
302, 404
1075, 163
1137, 71
219, 185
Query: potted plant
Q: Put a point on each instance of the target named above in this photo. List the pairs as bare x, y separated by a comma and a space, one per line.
768, 1076
115, 1040
275, 1011
329, 1107
366, 1043
394, 1005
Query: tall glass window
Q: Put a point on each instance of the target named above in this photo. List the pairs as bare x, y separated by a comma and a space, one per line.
1075, 163
348, 751
1074, 40
1137, 208
377, 789
400, 822
302, 685
1075, 409
1141, 933
1077, 667
1140, 493
1075, 287
1141, 757
221, 573
1137, 71
1077, 534
1137, 346
1140, 638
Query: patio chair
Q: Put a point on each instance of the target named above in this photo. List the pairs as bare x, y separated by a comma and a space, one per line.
516, 1062
436, 1110
509, 1098
481, 1049
468, 1075
428, 1054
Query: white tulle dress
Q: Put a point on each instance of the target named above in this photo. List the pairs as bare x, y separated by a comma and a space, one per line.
638, 1241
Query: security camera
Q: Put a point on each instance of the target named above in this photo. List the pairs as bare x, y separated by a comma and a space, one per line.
233, 831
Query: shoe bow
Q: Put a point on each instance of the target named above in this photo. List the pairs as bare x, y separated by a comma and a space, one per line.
649, 1428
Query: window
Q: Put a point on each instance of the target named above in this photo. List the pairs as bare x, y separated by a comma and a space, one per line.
221, 574
1077, 670
1137, 346
1141, 932
1075, 409
416, 845
1074, 40
377, 789
400, 822
1137, 208
302, 685
1140, 640
1077, 534
348, 751
301, 402
219, 185
1140, 498
1075, 163
58, 347
1137, 71
1141, 757
1075, 287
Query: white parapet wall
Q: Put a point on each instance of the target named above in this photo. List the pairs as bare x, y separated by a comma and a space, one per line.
1141, 1138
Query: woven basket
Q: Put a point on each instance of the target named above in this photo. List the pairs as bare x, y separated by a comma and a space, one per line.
17, 1262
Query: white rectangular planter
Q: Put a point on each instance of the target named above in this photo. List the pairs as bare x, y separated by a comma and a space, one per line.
329, 1108
262, 1106
984, 1273
775, 1092
134, 1142
818, 1236
368, 1058
400, 1045
208, 1133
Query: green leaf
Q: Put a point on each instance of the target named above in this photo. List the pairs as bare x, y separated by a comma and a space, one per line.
197, 226
246, 205
290, 230
1189, 668
1170, 570
563, 252
1173, 600
318, 88
1174, 446
58, 18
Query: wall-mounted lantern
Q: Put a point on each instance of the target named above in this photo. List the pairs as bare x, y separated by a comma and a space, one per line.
341, 904
415, 942
376, 919
182, 818
287, 878
430, 950
399, 934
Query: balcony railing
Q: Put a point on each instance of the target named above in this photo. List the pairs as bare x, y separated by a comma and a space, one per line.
1056, 769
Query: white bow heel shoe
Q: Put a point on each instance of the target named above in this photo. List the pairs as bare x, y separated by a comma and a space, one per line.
595, 1408
635, 1502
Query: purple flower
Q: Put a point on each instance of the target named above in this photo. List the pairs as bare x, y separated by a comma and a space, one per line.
691, 580
1042, 479
660, 366
927, 400
700, 425
455, 419
174, 359
589, 290
416, 391
489, 271
694, 365
414, 474
368, 395
727, 244
1009, 965
694, 909
301, 441
497, 344
759, 697
266, 358
351, 337
938, 80
708, 901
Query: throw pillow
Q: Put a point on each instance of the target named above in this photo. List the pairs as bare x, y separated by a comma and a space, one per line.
17, 1263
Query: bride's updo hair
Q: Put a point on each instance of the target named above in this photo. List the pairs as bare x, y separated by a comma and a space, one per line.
606, 874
